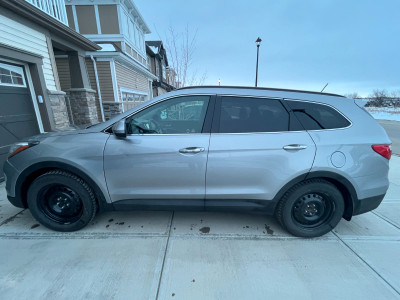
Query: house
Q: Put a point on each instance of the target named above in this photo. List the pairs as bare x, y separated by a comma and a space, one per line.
118, 72
158, 64
32, 98
171, 78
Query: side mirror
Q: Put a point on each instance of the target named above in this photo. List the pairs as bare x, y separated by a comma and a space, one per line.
119, 129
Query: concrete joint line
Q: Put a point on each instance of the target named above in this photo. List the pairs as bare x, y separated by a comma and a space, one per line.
84, 236
385, 219
366, 263
165, 254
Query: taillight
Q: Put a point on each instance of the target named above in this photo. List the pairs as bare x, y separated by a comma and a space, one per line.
384, 150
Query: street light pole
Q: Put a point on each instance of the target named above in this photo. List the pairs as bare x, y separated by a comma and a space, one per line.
258, 42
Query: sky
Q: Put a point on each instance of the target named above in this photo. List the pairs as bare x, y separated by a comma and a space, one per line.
354, 46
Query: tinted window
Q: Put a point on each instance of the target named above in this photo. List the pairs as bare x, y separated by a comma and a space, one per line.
252, 115
177, 115
317, 116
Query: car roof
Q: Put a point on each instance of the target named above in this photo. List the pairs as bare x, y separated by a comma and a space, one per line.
247, 89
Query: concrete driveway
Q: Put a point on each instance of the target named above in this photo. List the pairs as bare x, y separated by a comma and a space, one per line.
199, 255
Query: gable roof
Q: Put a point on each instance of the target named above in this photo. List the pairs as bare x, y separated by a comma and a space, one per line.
157, 49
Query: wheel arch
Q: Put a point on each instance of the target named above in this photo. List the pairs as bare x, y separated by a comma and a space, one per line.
34, 171
343, 184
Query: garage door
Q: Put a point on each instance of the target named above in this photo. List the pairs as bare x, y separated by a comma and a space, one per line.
17, 114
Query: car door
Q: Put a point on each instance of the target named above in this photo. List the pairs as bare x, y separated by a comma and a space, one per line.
163, 156
256, 147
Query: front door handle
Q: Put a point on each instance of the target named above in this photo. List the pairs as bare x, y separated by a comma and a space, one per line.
192, 150
294, 147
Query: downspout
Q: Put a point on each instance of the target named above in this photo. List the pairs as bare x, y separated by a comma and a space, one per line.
98, 87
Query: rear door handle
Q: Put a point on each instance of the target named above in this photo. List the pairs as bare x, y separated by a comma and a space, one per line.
294, 147
192, 150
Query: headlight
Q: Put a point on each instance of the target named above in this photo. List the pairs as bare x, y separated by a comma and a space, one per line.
18, 147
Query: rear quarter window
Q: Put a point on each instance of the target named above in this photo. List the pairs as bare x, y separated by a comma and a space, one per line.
315, 116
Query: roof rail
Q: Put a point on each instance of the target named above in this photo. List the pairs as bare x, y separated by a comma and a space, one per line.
259, 88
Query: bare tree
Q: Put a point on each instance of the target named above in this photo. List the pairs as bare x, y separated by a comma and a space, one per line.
395, 98
352, 95
180, 49
378, 98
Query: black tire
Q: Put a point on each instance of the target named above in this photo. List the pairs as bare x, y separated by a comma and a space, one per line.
311, 208
61, 201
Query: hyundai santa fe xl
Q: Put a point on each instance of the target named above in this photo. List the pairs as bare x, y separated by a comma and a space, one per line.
308, 158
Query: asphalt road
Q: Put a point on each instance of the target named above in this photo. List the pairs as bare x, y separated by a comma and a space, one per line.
393, 130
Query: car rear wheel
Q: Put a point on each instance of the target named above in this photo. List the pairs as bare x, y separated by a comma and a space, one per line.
61, 201
311, 208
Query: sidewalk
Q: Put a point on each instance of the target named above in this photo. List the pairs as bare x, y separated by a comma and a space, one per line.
200, 255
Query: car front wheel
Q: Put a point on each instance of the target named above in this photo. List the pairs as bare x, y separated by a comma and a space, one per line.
311, 208
61, 201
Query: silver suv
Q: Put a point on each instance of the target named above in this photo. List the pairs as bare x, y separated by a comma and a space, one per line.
308, 158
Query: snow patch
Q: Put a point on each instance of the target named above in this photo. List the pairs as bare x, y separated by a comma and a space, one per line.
384, 113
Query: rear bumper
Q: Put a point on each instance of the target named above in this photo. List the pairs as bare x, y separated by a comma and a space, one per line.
365, 205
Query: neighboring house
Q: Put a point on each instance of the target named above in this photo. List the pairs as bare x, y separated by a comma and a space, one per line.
31, 97
171, 77
158, 65
118, 73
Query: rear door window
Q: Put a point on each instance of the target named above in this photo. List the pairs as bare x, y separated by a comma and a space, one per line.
315, 116
244, 114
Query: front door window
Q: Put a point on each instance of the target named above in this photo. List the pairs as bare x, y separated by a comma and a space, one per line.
182, 115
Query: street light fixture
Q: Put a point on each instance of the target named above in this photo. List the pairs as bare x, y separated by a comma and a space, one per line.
258, 42
219, 81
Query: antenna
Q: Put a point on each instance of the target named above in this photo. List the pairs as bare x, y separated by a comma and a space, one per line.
324, 87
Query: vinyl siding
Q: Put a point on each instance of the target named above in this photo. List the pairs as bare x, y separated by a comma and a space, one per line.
63, 73
104, 74
105, 81
25, 38
92, 80
129, 79
103, 71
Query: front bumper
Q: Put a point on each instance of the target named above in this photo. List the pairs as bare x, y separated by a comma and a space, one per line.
11, 176
365, 205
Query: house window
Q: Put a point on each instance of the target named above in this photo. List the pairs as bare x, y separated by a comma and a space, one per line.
12, 76
132, 32
164, 71
157, 69
148, 63
133, 97
137, 37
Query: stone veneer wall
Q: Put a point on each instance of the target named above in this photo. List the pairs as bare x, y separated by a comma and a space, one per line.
111, 109
83, 106
60, 110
